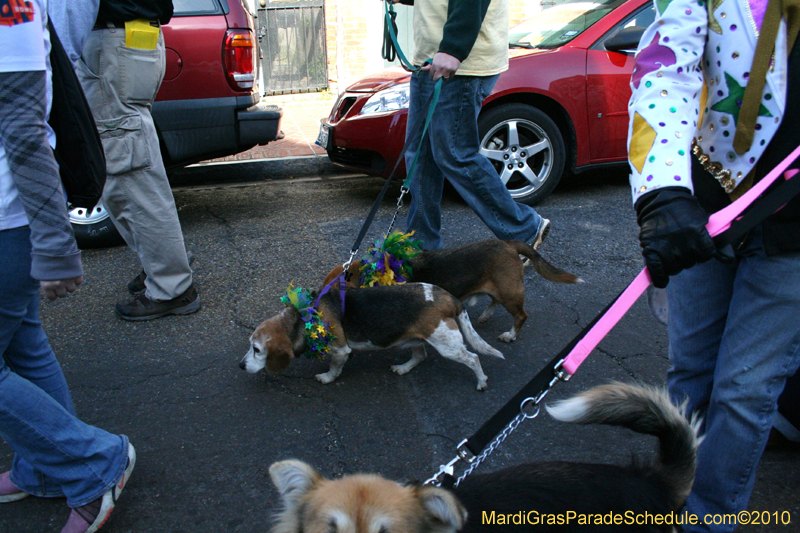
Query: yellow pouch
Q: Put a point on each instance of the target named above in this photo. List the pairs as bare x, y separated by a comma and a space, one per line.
141, 34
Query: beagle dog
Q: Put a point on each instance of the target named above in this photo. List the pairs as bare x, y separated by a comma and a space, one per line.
551, 496
491, 267
407, 315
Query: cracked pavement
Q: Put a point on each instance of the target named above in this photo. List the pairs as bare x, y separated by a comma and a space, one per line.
206, 432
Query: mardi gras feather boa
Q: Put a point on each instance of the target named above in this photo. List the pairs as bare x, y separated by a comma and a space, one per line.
318, 332
387, 261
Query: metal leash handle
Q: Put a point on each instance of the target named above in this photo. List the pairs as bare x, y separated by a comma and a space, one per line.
528, 408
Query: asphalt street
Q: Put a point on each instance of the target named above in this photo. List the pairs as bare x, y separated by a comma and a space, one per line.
206, 432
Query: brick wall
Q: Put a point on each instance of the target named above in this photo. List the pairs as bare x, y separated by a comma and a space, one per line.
354, 29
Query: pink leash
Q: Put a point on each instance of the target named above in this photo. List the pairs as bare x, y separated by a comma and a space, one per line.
717, 223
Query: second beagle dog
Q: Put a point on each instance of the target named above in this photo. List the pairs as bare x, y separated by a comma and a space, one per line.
491, 267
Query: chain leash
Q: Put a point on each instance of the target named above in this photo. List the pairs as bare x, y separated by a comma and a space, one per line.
403, 191
528, 408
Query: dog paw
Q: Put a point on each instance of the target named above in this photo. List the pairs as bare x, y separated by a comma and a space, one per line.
400, 369
507, 337
482, 384
324, 378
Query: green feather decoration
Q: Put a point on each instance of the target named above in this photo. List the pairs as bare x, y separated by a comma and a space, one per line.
387, 261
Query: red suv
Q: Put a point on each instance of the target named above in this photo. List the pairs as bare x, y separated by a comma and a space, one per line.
209, 104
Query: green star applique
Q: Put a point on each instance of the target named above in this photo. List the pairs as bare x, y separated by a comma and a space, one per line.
732, 103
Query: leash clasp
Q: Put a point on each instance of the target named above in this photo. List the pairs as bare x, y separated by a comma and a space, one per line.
444, 470
560, 373
346, 264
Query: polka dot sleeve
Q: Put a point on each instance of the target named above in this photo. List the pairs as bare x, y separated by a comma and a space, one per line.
667, 85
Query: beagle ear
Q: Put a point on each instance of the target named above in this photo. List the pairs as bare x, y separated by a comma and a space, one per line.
443, 509
293, 479
279, 355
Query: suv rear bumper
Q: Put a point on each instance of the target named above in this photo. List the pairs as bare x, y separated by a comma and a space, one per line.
259, 124
200, 129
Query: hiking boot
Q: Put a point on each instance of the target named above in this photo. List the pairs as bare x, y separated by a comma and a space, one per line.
137, 286
8, 491
143, 308
91, 517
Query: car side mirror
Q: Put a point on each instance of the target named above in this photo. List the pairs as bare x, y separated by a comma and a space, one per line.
626, 40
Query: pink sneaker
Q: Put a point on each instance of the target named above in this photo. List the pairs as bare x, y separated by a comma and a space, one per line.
91, 517
8, 491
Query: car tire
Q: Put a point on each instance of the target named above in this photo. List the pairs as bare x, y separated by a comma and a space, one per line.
93, 228
508, 134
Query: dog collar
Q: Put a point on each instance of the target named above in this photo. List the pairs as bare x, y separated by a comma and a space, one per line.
319, 333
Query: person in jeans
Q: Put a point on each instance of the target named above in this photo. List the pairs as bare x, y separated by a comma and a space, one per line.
55, 453
121, 80
716, 89
468, 43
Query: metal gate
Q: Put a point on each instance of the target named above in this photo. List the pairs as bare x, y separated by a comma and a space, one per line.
291, 36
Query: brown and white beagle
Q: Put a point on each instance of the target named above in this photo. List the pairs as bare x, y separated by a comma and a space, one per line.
491, 267
407, 315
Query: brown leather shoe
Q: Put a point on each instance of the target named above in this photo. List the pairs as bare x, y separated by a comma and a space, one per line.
143, 308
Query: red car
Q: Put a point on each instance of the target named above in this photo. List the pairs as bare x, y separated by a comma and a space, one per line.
209, 104
561, 105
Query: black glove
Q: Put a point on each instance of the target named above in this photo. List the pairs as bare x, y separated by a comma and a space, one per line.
673, 234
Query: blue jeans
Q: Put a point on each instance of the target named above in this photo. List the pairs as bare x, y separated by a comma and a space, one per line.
734, 339
55, 453
451, 151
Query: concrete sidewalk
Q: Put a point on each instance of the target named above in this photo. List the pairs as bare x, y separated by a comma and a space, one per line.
300, 124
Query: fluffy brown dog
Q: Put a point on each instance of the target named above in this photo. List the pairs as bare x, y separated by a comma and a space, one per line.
490, 267
557, 496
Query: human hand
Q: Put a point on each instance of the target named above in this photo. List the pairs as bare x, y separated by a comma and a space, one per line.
60, 288
442, 66
673, 235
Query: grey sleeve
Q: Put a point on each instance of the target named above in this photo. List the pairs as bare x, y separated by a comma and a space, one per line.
34, 170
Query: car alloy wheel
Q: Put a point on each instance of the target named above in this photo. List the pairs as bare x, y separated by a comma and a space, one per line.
526, 148
93, 228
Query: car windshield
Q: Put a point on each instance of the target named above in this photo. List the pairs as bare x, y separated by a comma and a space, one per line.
559, 24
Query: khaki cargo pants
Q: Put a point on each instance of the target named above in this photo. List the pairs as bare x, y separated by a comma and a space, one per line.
120, 84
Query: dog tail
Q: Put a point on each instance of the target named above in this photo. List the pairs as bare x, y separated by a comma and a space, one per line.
644, 410
543, 268
472, 337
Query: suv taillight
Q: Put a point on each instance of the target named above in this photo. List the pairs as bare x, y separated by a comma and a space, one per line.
240, 54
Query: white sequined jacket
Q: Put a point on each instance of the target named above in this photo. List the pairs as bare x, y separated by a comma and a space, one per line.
691, 68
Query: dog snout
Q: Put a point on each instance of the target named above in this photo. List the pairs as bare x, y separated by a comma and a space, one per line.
243, 364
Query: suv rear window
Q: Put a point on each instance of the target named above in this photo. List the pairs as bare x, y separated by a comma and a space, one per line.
185, 8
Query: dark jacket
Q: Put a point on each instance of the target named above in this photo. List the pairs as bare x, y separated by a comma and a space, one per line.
119, 11
781, 231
